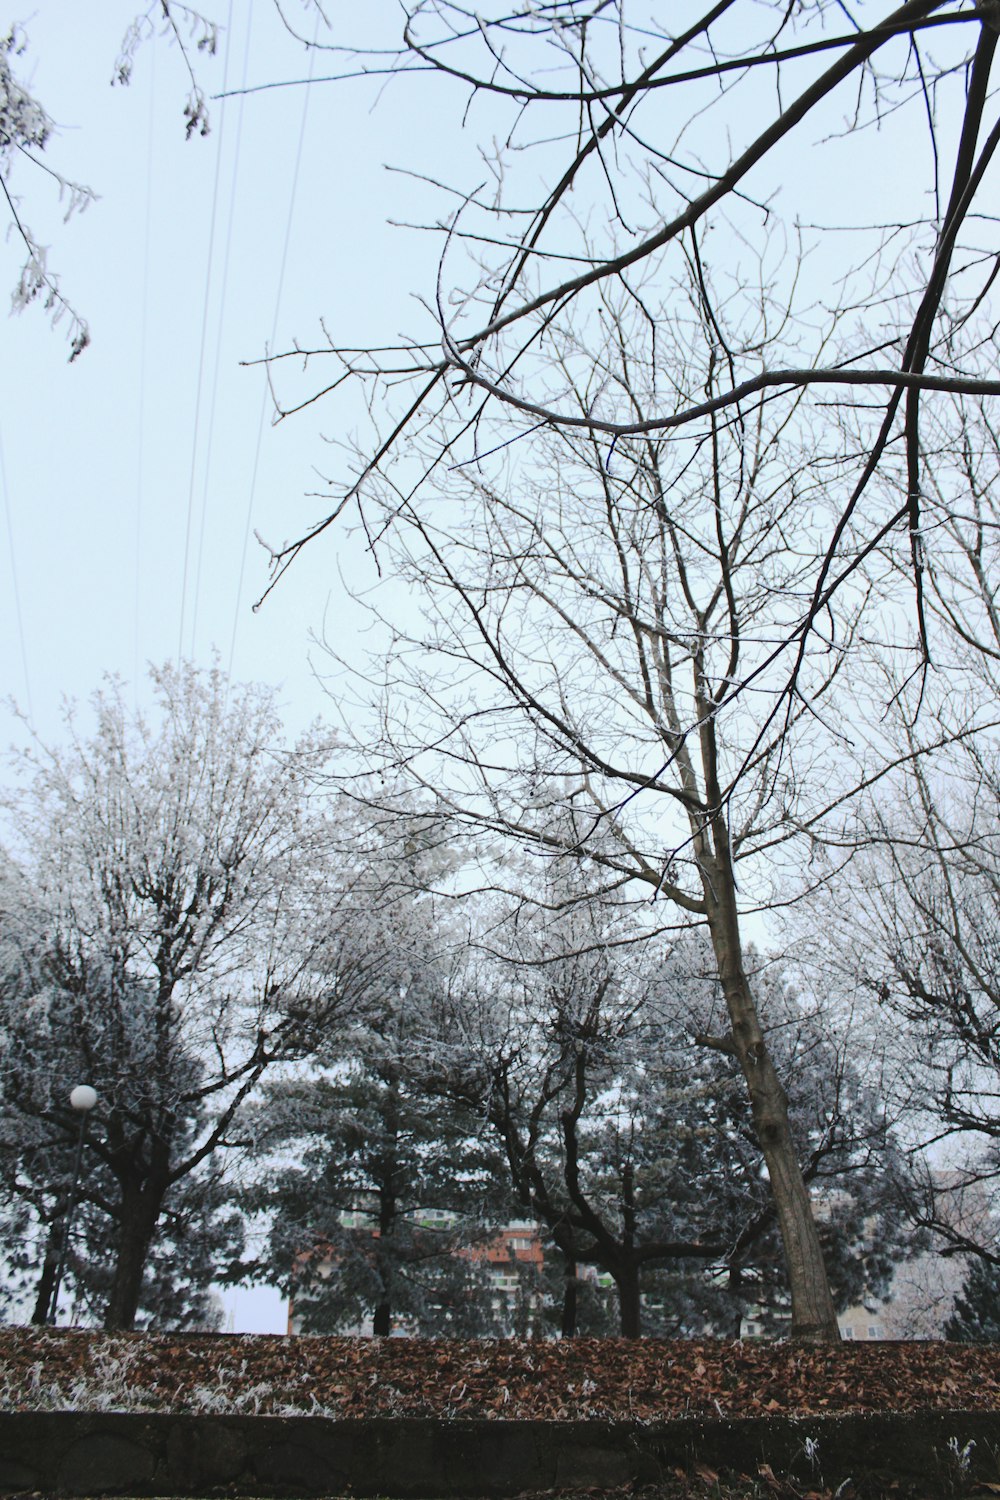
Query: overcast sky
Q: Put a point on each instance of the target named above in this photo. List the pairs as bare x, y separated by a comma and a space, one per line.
133, 477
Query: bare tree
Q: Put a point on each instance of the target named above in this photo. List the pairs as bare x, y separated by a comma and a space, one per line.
912, 916
587, 614
612, 150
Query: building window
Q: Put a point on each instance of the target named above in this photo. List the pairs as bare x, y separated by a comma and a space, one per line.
504, 1281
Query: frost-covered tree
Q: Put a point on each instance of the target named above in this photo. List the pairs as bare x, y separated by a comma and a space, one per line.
25, 129
199, 1240
173, 925
920, 937
198, 1233
634, 1144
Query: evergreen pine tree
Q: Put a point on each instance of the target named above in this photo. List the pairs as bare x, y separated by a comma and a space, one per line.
976, 1315
389, 1206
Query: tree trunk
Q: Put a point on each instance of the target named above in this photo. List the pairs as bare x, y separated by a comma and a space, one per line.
814, 1318
629, 1301
567, 1327
139, 1214
46, 1281
387, 1210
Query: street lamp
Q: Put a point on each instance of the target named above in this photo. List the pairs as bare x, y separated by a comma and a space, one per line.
82, 1099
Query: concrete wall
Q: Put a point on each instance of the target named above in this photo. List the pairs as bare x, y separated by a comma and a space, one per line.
90, 1453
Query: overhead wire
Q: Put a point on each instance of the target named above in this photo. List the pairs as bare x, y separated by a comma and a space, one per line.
140, 463
265, 392
15, 590
226, 257
206, 302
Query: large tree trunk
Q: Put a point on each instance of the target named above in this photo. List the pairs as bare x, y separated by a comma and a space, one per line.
629, 1301
139, 1214
814, 1318
387, 1211
571, 1288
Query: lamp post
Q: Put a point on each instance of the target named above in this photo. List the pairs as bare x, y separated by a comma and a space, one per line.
82, 1099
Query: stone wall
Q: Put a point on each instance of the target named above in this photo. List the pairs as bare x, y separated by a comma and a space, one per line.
94, 1453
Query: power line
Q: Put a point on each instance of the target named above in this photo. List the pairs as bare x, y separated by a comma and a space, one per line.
201, 354
16, 591
143, 356
218, 333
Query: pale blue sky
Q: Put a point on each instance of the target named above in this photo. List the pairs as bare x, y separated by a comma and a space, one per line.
151, 446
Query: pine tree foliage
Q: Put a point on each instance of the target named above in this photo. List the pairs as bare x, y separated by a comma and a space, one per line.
385, 1215
976, 1316
381, 1199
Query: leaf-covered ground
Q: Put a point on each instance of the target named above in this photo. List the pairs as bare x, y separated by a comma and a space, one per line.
647, 1381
